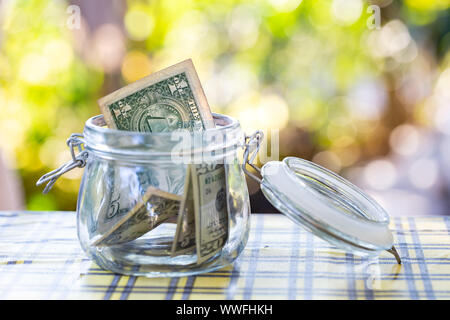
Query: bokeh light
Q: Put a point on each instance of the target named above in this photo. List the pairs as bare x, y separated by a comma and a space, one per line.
285, 5
108, 47
347, 11
404, 140
34, 68
369, 103
380, 174
135, 65
138, 23
423, 173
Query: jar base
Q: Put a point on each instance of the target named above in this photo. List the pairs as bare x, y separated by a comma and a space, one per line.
216, 262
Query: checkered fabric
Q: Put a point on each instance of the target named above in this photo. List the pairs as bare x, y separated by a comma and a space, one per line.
40, 258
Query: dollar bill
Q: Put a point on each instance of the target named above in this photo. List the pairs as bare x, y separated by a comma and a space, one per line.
170, 100
165, 101
111, 205
116, 184
156, 207
184, 240
211, 209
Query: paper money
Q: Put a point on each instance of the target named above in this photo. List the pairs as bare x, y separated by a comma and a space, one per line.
184, 240
156, 207
111, 205
164, 101
116, 184
211, 209
170, 100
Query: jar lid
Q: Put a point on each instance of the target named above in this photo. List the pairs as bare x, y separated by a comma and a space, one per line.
327, 205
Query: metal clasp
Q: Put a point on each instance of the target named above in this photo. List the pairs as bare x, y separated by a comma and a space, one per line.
78, 160
251, 147
252, 142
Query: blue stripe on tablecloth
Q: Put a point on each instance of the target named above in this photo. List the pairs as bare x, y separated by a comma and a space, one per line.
309, 266
351, 280
258, 231
220, 289
8, 214
421, 261
328, 260
172, 288
281, 292
129, 286
277, 291
293, 264
112, 287
188, 287
404, 254
323, 274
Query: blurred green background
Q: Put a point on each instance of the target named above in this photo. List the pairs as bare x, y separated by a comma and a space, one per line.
371, 102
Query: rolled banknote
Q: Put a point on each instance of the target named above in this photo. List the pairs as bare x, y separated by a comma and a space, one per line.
165, 101
111, 205
211, 209
121, 189
156, 207
184, 241
203, 220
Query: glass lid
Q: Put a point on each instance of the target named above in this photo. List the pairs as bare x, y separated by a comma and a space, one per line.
327, 205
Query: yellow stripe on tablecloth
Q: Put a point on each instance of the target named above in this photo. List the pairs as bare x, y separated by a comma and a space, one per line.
281, 261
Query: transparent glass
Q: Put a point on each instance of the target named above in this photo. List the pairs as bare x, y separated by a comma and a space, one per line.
327, 205
120, 167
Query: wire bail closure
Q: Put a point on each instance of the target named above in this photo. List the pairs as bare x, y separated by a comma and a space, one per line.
78, 161
251, 147
252, 142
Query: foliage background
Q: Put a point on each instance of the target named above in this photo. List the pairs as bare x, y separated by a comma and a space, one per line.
372, 104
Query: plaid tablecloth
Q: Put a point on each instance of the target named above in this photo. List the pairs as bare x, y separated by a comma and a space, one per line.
40, 258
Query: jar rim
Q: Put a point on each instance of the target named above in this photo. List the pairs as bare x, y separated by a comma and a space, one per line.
141, 146
98, 124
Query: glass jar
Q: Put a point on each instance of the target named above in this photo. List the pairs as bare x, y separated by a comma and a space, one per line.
132, 175
121, 165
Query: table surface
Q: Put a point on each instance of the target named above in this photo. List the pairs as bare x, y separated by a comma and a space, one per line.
40, 258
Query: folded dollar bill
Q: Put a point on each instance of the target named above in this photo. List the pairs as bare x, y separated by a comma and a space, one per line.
156, 207
211, 209
184, 241
165, 101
